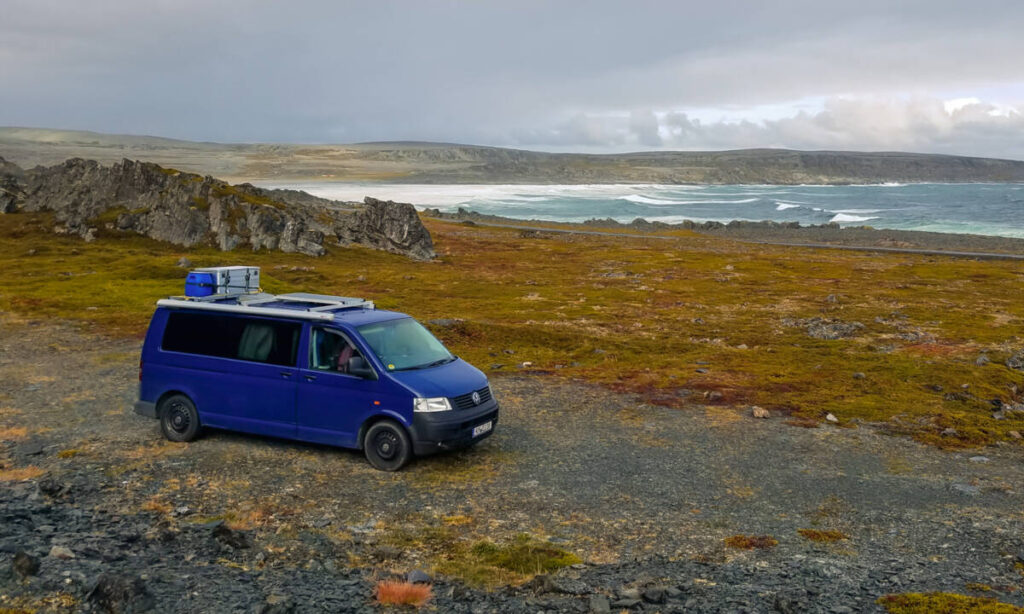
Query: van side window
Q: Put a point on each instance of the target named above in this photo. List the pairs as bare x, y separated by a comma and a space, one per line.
268, 341
331, 351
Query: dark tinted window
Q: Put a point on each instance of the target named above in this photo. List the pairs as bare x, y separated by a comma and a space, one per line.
224, 336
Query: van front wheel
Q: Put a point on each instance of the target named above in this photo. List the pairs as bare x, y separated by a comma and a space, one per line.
179, 419
387, 446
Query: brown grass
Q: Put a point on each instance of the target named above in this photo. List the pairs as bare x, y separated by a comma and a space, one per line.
750, 542
827, 537
13, 433
156, 504
19, 474
395, 592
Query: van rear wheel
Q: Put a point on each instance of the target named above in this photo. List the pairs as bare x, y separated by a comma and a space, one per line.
179, 419
387, 446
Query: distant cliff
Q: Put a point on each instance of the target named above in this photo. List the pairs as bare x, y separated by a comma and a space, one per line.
189, 210
448, 163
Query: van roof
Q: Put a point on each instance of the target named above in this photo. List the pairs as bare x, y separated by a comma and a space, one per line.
317, 307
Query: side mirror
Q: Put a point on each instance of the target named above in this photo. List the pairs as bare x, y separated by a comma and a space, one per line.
358, 367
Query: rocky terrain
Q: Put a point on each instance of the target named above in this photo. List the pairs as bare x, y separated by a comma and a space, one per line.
452, 163
98, 514
190, 210
779, 233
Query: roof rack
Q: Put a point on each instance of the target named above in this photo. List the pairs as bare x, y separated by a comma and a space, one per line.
299, 305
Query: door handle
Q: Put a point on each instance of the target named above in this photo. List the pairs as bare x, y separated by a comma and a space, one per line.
286, 373
310, 378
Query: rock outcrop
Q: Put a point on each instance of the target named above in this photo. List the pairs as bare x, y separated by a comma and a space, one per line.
188, 210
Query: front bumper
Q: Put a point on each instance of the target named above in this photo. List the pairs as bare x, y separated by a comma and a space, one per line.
145, 408
450, 430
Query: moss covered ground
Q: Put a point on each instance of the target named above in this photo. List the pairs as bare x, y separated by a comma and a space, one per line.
690, 320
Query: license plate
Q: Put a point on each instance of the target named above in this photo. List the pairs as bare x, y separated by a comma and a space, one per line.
483, 428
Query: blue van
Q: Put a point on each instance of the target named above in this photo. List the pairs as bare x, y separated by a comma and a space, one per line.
323, 369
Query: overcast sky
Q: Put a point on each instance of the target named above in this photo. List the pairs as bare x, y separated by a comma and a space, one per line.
932, 75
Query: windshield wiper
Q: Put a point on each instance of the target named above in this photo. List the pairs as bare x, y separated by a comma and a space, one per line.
436, 363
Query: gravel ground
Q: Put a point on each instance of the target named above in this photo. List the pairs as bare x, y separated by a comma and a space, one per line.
644, 495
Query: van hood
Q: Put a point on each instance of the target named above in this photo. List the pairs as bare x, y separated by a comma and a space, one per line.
449, 380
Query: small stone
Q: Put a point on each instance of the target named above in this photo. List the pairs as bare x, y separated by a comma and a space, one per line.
742, 346
31, 449
629, 593
654, 594
713, 395
831, 298
999, 415
526, 365
599, 605
418, 576
60, 552
184, 262
966, 489
182, 510
626, 603
1015, 434
859, 375
278, 604
760, 412
229, 537
979, 459
982, 361
24, 564
831, 418
702, 370
950, 432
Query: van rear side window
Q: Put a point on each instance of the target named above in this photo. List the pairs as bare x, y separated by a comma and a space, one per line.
253, 339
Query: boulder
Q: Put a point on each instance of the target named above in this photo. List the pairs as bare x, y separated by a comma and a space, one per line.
190, 210
24, 564
1016, 361
121, 594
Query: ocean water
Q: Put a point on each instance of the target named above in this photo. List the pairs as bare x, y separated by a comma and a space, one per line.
988, 209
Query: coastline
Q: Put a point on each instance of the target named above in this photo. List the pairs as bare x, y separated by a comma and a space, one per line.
776, 233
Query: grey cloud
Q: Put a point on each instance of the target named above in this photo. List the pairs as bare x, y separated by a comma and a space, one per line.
599, 75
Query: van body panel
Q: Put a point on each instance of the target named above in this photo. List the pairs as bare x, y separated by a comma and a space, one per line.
448, 380
332, 407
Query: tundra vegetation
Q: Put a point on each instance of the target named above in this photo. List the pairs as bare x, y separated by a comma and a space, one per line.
913, 344
921, 346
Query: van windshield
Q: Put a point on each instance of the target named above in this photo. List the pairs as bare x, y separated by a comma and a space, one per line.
404, 344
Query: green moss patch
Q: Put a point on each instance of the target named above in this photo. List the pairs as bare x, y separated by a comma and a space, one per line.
944, 603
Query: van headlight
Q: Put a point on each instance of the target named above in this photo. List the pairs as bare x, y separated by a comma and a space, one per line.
435, 404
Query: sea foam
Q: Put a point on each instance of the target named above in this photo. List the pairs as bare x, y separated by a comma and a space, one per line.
844, 217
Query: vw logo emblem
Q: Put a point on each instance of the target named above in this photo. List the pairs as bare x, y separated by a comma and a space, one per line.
476, 398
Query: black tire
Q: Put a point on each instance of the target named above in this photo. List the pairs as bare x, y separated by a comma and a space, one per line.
387, 446
179, 420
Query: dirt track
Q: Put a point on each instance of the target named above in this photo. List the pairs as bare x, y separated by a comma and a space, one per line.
643, 494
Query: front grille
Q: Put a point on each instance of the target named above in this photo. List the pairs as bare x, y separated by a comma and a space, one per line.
465, 401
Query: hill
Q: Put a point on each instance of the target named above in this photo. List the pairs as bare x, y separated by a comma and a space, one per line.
413, 162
